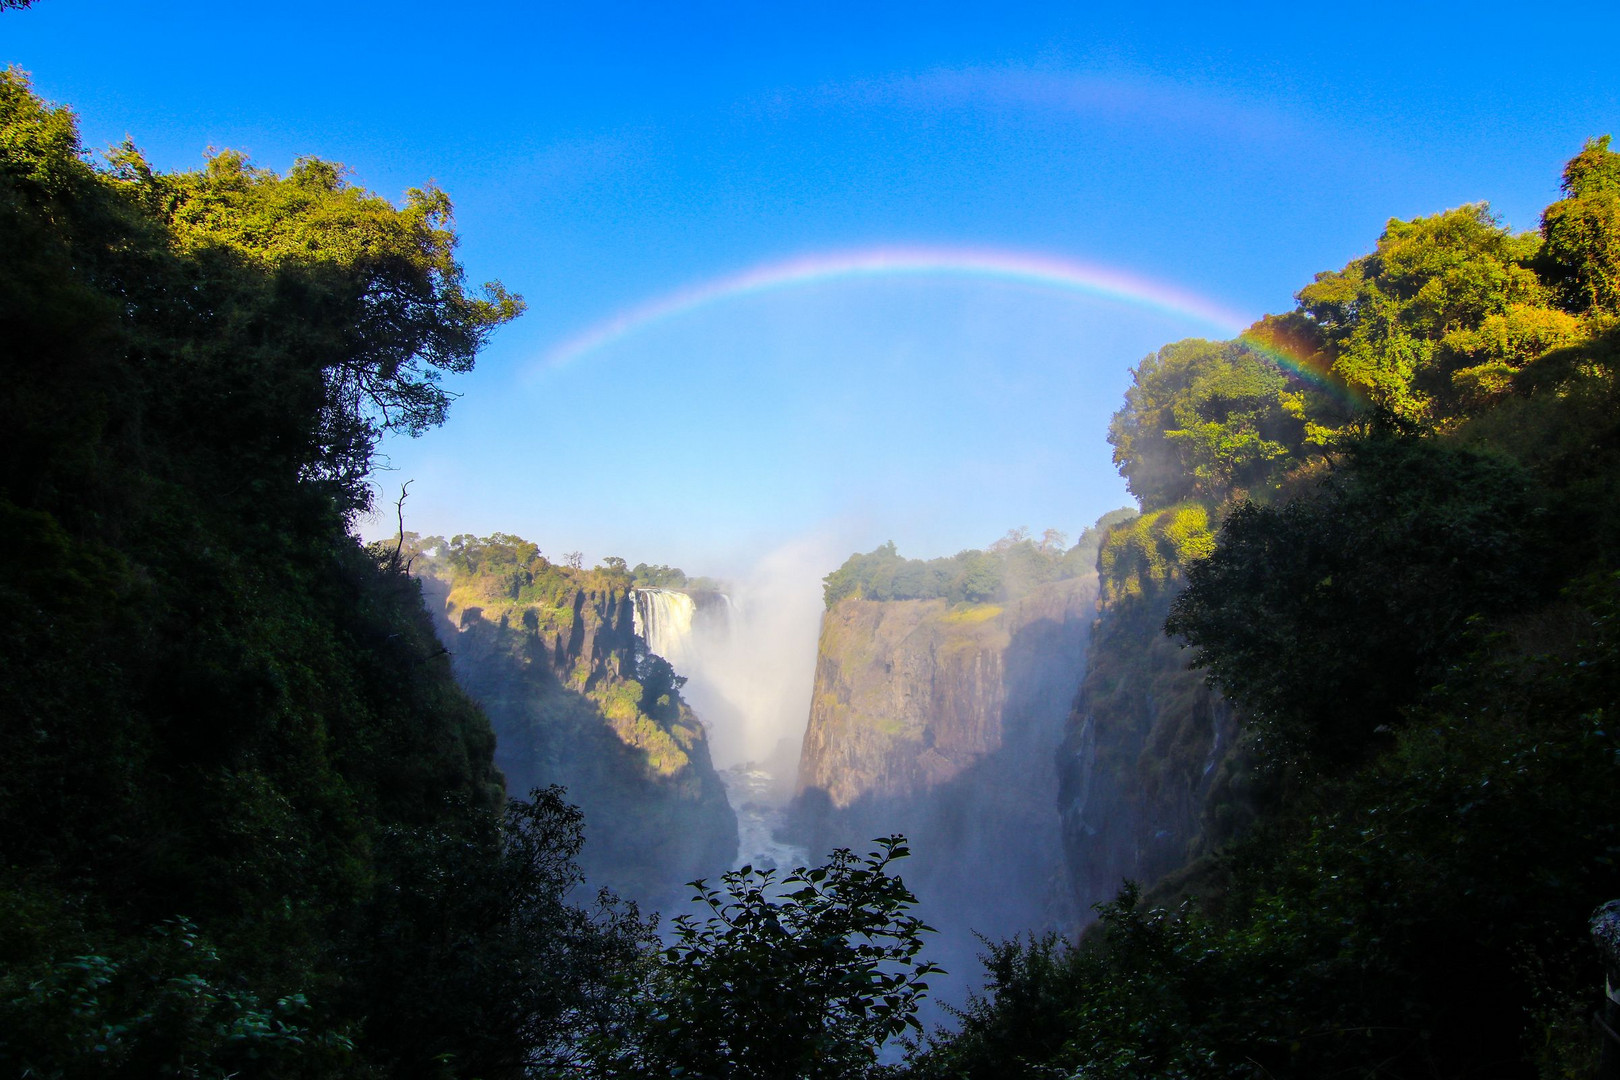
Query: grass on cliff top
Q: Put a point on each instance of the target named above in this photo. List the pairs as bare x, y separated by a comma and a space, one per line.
966, 614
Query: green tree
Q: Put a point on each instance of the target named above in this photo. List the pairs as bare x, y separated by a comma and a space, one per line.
373, 298
803, 977
1329, 614
1582, 230
478, 956
1208, 420
1383, 316
233, 710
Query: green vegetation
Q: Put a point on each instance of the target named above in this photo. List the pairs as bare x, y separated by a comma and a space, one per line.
1145, 553
508, 580
251, 826
1214, 421
549, 651
804, 976
1010, 568
250, 823
672, 577
1411, 609
505, 573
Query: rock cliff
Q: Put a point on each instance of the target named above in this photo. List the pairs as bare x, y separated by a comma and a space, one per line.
559, 683
943, 722
1150, 774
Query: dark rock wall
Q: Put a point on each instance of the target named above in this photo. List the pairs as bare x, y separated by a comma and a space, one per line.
1148, 781
650, 825
945, 725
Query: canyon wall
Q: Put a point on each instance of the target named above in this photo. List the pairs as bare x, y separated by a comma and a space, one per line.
943, 722
561, 685
1151, 772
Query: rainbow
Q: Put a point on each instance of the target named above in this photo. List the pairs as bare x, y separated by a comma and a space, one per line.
978, 264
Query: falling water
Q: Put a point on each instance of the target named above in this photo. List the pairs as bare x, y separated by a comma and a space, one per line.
663, 620
699, 636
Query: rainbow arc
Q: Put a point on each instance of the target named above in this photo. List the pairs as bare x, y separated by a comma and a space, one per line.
980, 264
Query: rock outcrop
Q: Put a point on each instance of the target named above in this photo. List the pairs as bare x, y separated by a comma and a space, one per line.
1151, 770
558, 682
943, 722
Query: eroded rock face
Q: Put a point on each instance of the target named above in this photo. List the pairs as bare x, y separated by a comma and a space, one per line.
1148, 775
944, 724
909, 694
556, 687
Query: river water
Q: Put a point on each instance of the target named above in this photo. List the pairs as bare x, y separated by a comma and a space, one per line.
754, 794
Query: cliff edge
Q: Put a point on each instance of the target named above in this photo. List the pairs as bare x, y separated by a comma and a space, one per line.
942, 721
558, 675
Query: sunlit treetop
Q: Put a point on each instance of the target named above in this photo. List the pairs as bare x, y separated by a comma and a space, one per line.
1583, 232
1447, 316
1385, 315
301, 314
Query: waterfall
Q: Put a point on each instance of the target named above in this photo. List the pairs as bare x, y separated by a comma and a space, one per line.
700, 634
663, 619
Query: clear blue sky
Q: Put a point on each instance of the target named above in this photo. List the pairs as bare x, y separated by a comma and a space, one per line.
601, 156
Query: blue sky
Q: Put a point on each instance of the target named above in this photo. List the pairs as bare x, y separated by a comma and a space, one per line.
601, 156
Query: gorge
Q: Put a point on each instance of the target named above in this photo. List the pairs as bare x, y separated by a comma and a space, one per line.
942, 722
1037, 740
576, 700
1303, 766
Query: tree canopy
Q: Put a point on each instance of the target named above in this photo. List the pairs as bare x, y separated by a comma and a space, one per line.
291, 320
234, 766
806, 976
1409, 609
1008, 569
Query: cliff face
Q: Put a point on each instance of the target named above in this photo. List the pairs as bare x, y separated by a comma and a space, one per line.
943, 723
1149, 777
558, 683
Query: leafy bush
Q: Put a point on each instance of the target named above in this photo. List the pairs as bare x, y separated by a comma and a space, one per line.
802, 978
1010, 568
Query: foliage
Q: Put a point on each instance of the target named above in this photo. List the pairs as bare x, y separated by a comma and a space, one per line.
248, 823
660, 686
1414, 618
1143, 998
1470, 853
1582, 250
498, 890
1010, 568
162, 1011
290, 319
803, 977
671, 577
1211, 421
1149, 553
1386, 315
506, 577
1326, 616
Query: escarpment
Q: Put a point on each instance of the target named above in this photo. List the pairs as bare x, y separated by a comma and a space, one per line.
1147, 779
559, 680
942, 722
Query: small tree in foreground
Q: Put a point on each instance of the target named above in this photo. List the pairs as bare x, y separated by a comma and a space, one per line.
806, 977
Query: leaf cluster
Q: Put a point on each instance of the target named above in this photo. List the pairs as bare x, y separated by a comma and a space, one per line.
806, 976
1008, 569
1213, 421
1328, 615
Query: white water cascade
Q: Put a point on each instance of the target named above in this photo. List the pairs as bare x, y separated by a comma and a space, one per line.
704, 638
663, 619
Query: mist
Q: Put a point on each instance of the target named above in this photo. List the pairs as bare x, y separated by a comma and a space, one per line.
749, 674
